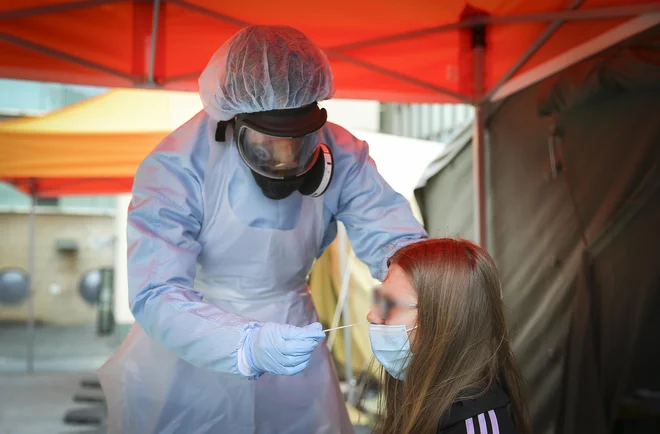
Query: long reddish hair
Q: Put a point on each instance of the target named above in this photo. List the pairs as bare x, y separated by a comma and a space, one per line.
461, 343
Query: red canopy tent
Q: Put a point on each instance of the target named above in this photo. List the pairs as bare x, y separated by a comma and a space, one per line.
418, 51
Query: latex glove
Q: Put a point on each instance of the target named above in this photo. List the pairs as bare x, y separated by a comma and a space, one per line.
282, 349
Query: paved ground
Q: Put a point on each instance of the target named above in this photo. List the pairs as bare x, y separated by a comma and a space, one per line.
56, 349
36, 404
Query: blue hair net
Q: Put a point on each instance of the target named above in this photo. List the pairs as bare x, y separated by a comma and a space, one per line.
264, 68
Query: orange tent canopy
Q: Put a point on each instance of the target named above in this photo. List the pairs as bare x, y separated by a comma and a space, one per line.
388, 50
92, 147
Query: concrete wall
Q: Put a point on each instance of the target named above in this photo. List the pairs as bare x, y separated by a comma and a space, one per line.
436, 122
56, 298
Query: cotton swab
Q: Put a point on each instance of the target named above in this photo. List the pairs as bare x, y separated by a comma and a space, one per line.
350, 325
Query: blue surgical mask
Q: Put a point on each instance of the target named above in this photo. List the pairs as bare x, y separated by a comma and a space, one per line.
391, 347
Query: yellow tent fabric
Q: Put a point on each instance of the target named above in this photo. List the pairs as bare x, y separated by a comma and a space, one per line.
103, 137
129, 111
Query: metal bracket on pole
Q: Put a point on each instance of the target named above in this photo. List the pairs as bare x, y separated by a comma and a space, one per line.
554, 139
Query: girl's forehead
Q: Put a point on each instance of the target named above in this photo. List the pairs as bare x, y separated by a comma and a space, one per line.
396, 281
395, 274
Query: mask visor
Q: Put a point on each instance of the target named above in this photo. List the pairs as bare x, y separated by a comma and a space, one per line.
277, 157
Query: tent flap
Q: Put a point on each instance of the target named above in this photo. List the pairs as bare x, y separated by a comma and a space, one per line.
577, 254
454, 166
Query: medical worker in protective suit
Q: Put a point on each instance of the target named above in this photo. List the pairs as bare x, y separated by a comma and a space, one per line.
228, 215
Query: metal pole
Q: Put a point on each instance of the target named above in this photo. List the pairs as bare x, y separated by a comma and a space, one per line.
154, 43
536, 46
30, 12
343, 293
478, 149
628, 11
478, 172
30, 269
348, 368
51, 52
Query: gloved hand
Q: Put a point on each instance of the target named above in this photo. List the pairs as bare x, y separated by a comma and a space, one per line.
282, 349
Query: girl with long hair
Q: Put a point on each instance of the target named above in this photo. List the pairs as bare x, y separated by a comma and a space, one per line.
439, 330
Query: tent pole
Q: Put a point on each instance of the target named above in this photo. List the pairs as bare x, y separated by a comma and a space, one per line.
30, 268
577, 53
30, 12
479, 158
396, 75
533, 49
348, 353
61, 55
209, 13
154, 43
570, 14
478, 143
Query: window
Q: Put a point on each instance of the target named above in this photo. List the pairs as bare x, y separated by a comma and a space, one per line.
48, 201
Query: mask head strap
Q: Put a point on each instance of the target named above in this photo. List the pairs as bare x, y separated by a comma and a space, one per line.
296, 122
221, 129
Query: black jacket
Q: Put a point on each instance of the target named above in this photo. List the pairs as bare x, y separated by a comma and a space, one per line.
486, 414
